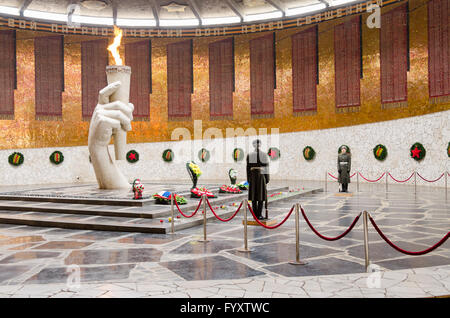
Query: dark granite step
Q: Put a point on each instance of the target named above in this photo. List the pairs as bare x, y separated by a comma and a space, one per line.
123, 221
148, 211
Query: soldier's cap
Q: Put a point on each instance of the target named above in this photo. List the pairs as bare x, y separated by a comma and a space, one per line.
256, 143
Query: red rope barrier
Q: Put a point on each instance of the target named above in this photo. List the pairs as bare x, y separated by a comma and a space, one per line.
430, 180
332, 176
270, 227
188, 216
372, 180
353, 175
330, 238
426, 251
401, 181
218, 217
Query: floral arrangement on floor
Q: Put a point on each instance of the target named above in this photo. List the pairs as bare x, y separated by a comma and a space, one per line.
230, 189
16, 159
243, 185
199, 192
56, 157
164, 197
138, 188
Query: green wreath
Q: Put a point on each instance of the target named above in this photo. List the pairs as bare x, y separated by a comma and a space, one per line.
238, 154
167, 155
308, 153
56, 157
16, 159
274, 153
204, 155
346, 147
417, 151
132, 156
380, 152
448, 150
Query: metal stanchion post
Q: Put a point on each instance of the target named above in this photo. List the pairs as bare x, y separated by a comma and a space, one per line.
357, 181
386, 181
415, 182
297, 237
366, 240
172, 212
204, 220
245, 248
446, 173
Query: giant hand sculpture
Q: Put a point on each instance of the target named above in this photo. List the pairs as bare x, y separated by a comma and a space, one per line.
107, 118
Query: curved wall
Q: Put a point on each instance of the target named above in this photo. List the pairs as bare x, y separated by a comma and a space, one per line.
431, 130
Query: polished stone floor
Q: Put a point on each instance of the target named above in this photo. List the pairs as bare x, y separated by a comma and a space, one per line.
36, 261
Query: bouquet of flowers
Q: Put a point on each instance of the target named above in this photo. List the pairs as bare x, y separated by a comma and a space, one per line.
195, 169
164, 197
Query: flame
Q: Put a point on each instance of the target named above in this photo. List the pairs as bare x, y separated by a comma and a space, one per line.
113, 48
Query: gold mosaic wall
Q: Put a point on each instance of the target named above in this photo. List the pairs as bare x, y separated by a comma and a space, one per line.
26, 132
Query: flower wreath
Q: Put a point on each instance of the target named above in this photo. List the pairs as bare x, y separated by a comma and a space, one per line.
308, 153
198, 192
16, 159
167, 155
417, 151
204, 155
274, 153
230, 189
380, 152
132, 156
238, 154
448, 150
56, 157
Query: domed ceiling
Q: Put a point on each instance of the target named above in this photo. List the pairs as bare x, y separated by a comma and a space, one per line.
164, 13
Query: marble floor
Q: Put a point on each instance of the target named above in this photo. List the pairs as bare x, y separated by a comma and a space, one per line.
50, 262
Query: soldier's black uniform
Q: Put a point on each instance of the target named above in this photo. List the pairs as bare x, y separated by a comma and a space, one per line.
258, 177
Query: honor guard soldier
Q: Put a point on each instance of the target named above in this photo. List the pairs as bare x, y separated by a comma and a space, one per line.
344, 163
258, 177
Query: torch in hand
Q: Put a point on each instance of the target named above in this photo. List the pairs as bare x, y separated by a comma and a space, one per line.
119, 73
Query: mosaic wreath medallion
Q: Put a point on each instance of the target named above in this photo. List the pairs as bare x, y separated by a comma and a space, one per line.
132, 156
16, 159
308, 153
346, 147
417, 151
238, 154
274, 153
204, 155
380, 152
167, 155
56, 157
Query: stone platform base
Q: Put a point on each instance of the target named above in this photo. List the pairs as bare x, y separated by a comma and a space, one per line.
268, 222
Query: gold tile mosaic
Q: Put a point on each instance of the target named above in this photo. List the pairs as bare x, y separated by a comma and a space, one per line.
26, 132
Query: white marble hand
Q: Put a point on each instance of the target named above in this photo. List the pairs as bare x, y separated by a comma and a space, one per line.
107, 118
